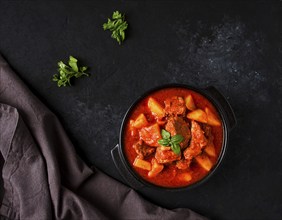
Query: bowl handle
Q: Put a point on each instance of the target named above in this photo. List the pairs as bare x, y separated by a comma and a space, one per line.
124, 172
230, 116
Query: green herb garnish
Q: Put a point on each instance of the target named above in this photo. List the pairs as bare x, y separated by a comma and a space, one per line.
66, 72
173, 142
117, 26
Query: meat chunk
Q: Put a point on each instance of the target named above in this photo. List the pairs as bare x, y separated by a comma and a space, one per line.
177, 125
166, 155
143, 150
210, 148
207, 131
183, 164
150, 135
198, 141
175, 106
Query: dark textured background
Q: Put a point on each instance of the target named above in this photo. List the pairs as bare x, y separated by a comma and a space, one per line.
235, 47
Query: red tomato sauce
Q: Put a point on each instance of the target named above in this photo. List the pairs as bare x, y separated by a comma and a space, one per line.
168, 177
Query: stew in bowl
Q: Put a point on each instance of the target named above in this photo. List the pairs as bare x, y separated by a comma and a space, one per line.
173, 137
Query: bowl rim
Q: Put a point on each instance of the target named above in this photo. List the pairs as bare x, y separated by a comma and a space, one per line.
201, 91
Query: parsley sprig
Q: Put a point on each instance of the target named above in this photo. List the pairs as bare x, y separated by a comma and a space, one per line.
66, 72
173, 142
117, 26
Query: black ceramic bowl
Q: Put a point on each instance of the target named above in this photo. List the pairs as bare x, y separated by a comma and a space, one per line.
228, 122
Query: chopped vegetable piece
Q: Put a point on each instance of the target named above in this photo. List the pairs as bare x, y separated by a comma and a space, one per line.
156, 168
185, 177
163, 148
189, 102
198, 115
117, 26
143, 164
156, 109
132, 129
140, 121
204, 161
131, 122
67, 72
150, 135
212, 118
210, 149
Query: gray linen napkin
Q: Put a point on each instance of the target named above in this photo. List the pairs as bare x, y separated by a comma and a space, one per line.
45, 179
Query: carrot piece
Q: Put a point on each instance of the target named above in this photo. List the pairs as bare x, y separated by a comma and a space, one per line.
156, 168
198, 115
140, 121
143, 164
189, 102
156, 109
212, 118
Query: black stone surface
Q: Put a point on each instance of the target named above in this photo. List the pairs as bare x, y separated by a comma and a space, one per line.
234, 46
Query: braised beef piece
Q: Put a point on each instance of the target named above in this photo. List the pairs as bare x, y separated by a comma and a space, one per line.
183, 164
208, 132
175, 106
166, 155
177, 125
198, 141
143, 150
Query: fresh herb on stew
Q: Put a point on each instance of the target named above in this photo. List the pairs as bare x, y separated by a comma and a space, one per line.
117, 26
66, 72
173, 142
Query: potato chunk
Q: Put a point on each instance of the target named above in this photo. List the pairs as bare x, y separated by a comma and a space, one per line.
204, 161
185, 177
156, 168
140, 121
189, 102
132, 129
198, 115
156, 109
212, 118
143, 164
210, 149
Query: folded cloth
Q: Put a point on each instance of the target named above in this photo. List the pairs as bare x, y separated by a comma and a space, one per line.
45, 179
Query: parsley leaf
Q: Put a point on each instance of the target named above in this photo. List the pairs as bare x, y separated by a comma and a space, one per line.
66, 72
173, 142
117, 26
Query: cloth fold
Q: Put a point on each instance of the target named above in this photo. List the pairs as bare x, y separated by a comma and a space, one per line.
43, 176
